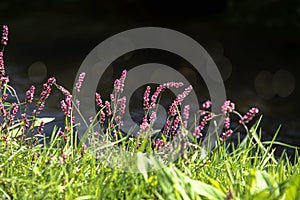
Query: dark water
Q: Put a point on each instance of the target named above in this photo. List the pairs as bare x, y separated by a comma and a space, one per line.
261, 68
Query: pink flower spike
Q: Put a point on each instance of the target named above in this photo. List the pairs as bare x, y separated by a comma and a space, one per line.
226, 134
175, 125
177, 102
14, 110
4, 35
30, 94
167, 126
197, 133
152, 117
119, 83
146, 98
249, 115
64, 91
2, 66
227, 123
186, 112
79, 81
144, 124
99, 100
41, 128
108, 109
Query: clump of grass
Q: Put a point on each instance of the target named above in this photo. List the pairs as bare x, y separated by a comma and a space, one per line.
63, 168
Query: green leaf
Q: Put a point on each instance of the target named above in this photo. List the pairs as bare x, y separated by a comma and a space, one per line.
173, 177
46, 120
263, 185
292, 188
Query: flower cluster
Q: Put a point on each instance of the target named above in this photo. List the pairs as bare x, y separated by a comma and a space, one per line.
4, 35
30, 94
79, 81
177, 102
160, 89
66, 105
186, 113
2, 67
228, 107
249, 115
204, 121
119, 83
146, 98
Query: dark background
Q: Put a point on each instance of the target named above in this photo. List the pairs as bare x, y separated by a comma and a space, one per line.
250, 41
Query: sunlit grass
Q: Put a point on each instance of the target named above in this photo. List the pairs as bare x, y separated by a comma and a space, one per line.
249, 171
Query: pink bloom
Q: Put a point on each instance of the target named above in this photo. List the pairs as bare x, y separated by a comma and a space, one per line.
161, 88
46, 92
175, 125
197, 133
61, 160
79, 81
3, 111
99, 100
144, 124
4, 35
146, 98
14, 110
186, 113
227, 123
154, 97
4, 96
167, 126
26, 122
198, 129
108, 109
64, 91
102, 117
119, 83
30, 93
226, 134
177, 102
173, 84
66, 106
249, 115
206, 104
112, 97
122, 103
158, 144
41, 128
64, 155
152, 117
2, 67
4, 81
228, 107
